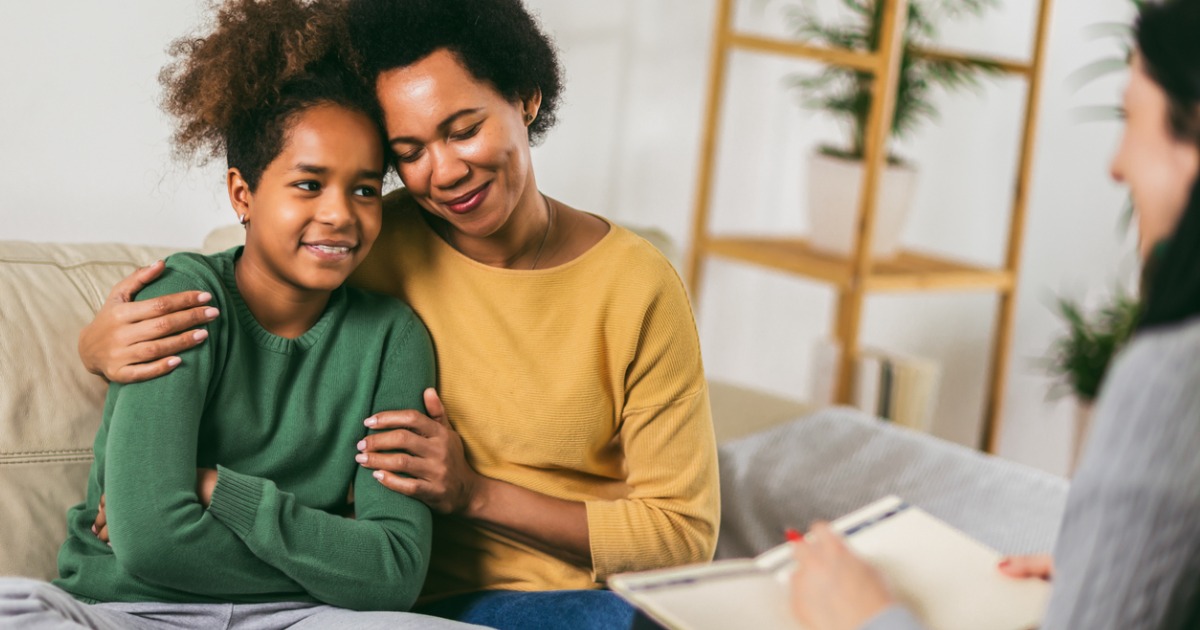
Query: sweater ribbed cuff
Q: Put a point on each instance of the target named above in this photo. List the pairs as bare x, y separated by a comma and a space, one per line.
236, 499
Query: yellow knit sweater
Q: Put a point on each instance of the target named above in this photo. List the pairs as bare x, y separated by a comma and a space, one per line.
582, 381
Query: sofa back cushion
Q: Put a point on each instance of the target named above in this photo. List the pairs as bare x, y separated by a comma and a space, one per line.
50, 407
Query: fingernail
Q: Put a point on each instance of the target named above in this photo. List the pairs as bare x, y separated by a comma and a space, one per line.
361, 458
372, 421
200, 335
94, 529
203, 297
174, 361
1005, 563
362, 445
793, 535
378, 474
211, 313
109, 544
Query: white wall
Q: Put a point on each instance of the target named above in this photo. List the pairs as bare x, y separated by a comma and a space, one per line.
85, 158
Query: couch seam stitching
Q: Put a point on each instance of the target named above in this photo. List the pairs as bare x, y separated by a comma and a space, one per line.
58, 452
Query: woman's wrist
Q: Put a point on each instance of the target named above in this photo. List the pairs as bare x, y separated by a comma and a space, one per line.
479, 492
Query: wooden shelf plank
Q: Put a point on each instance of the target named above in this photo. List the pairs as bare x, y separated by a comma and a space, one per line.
793, 48
857, 59
1008, 66
907, 271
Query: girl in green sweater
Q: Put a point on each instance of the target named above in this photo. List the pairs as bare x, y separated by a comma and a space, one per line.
230, 513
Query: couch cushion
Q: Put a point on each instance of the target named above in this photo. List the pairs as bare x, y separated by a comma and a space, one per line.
50, 406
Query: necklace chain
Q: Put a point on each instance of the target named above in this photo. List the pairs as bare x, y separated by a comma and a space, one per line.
551, 211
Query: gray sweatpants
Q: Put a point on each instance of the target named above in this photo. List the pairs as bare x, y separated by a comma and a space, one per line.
36, 605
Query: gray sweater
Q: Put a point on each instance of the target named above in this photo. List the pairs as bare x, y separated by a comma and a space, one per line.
1128, 552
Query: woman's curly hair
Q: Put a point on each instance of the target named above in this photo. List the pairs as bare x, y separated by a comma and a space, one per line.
235, 88
498, 42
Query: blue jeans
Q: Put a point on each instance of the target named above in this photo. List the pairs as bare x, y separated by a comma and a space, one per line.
538, 610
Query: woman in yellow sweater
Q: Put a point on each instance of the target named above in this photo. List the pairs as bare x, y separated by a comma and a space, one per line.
570, 437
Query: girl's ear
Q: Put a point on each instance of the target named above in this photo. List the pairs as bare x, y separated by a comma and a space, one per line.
530, 105
240, 194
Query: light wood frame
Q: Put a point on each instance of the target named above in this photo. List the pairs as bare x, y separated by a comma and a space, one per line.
858, 275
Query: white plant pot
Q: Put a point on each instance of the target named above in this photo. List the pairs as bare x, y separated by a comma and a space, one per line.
834, 190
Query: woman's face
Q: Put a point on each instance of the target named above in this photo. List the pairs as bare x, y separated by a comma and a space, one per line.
462, 149
1158, 167
317, 208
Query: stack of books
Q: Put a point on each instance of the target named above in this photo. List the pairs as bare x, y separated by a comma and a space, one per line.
891, 385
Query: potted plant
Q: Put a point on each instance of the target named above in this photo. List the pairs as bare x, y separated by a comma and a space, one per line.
1079, 359
835, 172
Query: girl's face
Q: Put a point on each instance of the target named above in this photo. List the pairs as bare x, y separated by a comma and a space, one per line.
461, 148
317, 209
1158, 167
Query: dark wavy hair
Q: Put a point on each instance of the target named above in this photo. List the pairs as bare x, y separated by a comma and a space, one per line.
1170, 48
237, 87
497, 41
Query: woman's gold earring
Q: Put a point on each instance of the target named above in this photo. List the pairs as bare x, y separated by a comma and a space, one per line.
529, 118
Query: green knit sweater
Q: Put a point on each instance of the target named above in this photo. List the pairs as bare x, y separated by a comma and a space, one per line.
280, 419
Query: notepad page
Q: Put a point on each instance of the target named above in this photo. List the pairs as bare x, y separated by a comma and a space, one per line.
946, 578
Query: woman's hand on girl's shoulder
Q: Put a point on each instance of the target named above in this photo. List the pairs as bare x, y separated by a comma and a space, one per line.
132, 341
420, 456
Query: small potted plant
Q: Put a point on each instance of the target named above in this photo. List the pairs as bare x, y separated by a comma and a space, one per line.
835, 172
1080, 358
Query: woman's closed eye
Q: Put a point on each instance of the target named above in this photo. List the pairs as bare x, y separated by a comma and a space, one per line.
408, 156
469, 132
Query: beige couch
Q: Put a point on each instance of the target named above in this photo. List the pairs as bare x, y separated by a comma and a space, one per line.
780, 476
50, 407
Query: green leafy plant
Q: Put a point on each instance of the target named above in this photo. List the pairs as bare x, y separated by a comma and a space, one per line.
846, 93
1115, 62
1080, 358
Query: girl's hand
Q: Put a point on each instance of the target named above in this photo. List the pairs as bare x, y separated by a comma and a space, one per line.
206, 482
1040, 566
100, 526
136, 341
832, 589
430, 453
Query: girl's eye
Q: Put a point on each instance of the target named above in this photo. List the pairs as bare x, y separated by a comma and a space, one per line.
366, 191
309, 186
466, 133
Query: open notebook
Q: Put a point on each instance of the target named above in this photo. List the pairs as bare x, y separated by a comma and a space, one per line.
946, 578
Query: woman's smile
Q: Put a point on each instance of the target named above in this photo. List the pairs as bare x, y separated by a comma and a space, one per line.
470, 201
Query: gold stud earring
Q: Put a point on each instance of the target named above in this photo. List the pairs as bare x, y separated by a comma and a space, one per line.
529, 118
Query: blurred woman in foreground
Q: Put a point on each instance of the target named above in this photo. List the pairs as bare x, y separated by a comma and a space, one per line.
1127, 555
